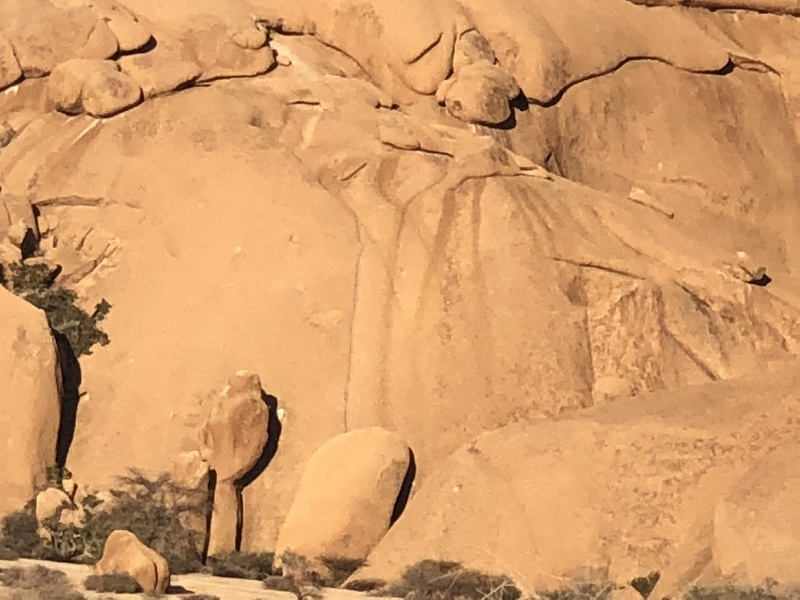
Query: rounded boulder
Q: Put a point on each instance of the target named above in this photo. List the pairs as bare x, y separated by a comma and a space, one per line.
346, 497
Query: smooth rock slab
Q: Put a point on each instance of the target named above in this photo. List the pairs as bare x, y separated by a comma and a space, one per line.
159, 76
30, 392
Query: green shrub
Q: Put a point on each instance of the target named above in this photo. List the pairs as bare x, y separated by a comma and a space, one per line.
279, 584
20, 533
35, 283
153, 510
39, 583
114, 583
365, 585
7, 553
335, 570
241, 565
767, 591
340, 569
442, 580
645, 585
580, 591
56, 474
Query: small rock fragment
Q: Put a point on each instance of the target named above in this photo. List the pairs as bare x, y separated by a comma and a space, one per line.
250, 39
471, 48
479, 94
745, 269
124, 553
7, 134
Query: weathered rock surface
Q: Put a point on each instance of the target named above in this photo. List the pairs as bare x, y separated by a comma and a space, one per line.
385, 265
97, 87
755, 527
232, 439
10, 71
617, 493
44, 35
18, 228
346, 496
479, 93
156, 76
235, 431
788, 7
30, 388
124, 553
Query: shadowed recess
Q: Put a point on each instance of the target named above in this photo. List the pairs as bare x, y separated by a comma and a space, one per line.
274, 429
405, 489
70, 396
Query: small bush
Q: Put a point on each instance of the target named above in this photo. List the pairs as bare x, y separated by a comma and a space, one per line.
333, 573
365, 585
153, 510
441, 580
645, 585
35, 283
19, 533
279, 584
241, 565
113, 583
39, 583
581, 591
7, 553
340, 569
767, 591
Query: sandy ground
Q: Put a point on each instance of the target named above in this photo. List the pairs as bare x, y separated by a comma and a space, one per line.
183, 585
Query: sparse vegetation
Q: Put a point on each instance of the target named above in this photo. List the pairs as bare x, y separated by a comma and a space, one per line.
18, 534
38, 583
580, 591
440, 580
645, 585
242, 565
279, 584
767, 591
36, 284
8, 553
333, 573
56, 474
365, 585
153, 510
113, 583
340, 569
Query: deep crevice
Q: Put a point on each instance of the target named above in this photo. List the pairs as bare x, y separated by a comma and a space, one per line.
212, 487
405, 489
274, 429
71, 378
726, 69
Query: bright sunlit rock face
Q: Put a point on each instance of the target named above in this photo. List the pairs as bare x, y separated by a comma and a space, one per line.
565, 229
